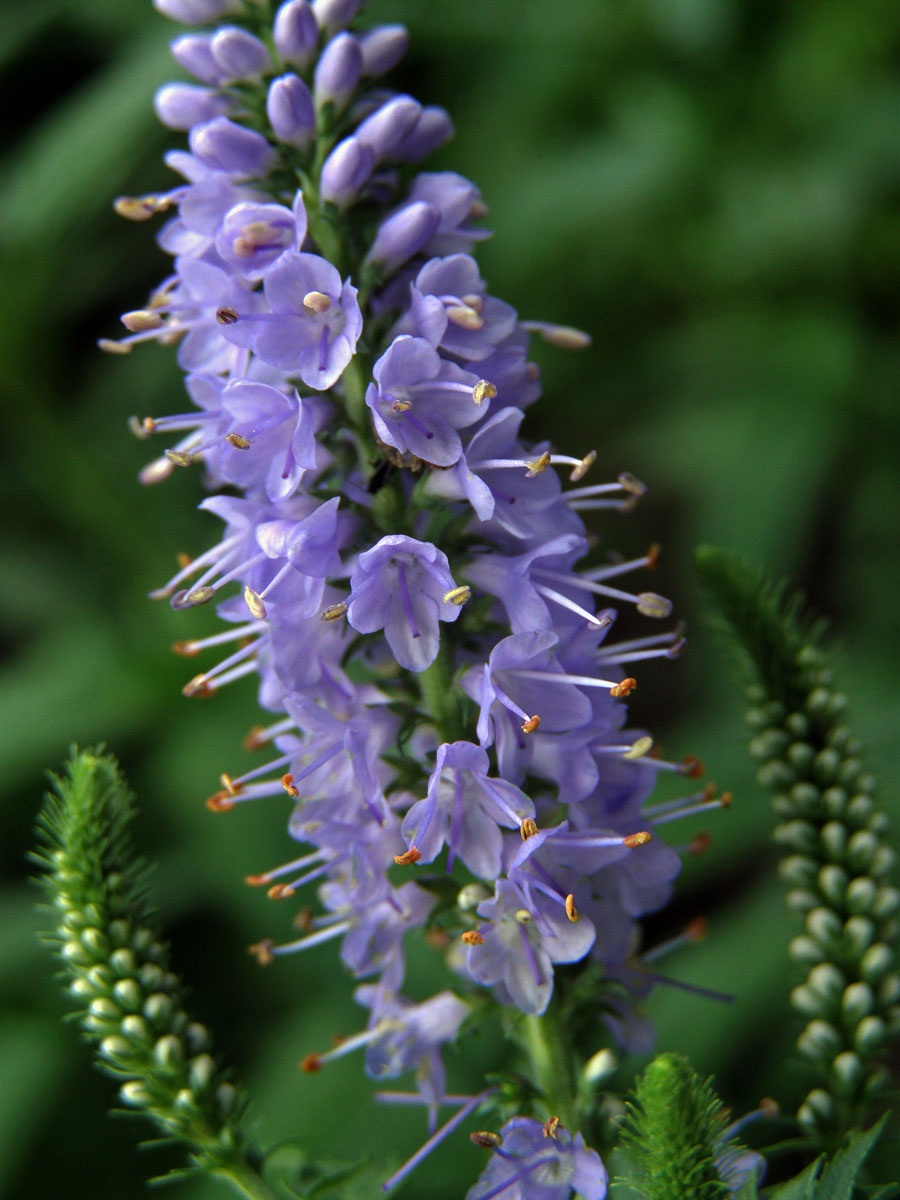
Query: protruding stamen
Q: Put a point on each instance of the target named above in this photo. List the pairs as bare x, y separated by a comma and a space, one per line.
531, 724
226, 316
198, 686
583, 467
239, 443
140, 320
458, 596
179, 458
653, 556
637, 839
141, 428
699, 843
691, 766
311, 1064
195, 597
412, 855
536, 466
571, 910
486, 1139
632, 484
528, 828
109, 346
550, 1128
625, 688
317, 302
652, 605
472, 938
254, 603
141, 208
483, 390
262, 952
220, 802
287, 782
639, 748
280, 891
334, 612
564, 337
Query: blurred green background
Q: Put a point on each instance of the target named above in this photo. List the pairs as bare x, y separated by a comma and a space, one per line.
712, 189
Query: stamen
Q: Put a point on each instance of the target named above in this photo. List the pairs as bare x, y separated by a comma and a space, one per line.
219, 802
571, 910
262, 952
109, 346
625, 688
464, 317
334, 612
537, 466
485, 1139
637, 839
631, 484
141, 320
412, 855
141, 208
531, 724
483, 390
239, 443
260, 734
528, 828
317, 302
179, 458
639, 748
695, 931
226, 316
458, 596
652, 605
287, 782
564, 337
141, 429
472, 938
583, 467
254, 603
229, 784
473, 300
551, 1127
565, 602
436, 1138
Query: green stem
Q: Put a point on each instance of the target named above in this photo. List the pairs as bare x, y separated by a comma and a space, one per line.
247, 1181
440, 696
551, 1066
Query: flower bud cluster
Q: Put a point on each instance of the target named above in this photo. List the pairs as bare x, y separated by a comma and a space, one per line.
837, 867
398, 566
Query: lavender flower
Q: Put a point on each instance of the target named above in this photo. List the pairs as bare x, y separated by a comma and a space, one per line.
532, 1163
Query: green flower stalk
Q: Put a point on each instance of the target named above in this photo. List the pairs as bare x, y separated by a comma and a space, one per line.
836, 860
116, 967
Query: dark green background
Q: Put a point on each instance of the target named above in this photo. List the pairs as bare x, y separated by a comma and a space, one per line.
712, 189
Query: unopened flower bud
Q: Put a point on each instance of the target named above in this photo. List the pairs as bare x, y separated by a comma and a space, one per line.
382, 48
289, 107
404, 234
345, 171
295, 33
337, 72
239, 54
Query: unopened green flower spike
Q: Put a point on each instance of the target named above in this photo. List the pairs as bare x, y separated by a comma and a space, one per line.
116, 968
836, 863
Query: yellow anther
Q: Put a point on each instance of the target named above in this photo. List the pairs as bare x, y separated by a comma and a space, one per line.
538, 465
583, 467
401, 406
531, 724
528, 828
637, 839
317, 302
472, 938
464, 317
185, 649
639, 748
179, 458
287, 782
653, 556
566, 337
523, 916
108, 346
486, 1139
473, 300
571, 910
631, 483
255, 604
262, 952
141, 428
280, 891
228, 784
334, 612
200, 595
458, 596
483, 390
479, 210
652, 605
550, 1128
198, 686
140, 208
239, 443
141, 320
219, 802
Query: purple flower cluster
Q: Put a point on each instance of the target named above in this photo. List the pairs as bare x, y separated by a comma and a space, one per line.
397, 566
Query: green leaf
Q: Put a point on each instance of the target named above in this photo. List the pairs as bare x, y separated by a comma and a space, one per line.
840, 1175
802, 1186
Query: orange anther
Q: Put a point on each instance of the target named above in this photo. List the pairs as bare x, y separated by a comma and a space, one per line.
625, 688
653, 556
183, 560
483, 1137
692, 767
229, 784
262, 952
696, 930
412, 855
637, 839
725, 799
571, 910
436, 939
198, 686
255, 738
185, 649
287, 782
311, 1064
280, 891
256, 880
699, 843
219, 802
528, 828
551, 1127
472, 938
303, 919
531, 724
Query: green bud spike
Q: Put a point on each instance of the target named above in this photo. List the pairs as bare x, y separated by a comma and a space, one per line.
129, 1004
836, 856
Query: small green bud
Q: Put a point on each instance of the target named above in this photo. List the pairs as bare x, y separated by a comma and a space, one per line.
158, 1010
806, 1001
95, 941
75, 954
600, 1067
878, 1079
806, 797
143, 940
797, 835
817, 702
824, 925
756, 718
151, 977
859, 933
860, 809
123, 962
137, 1030
817, 1109
81, 988
875, 963
798, 870
800, 756
226, 1097
834, 840
827, 982
775, 775
860, 850
861, 893
782, 807
197, 1037
186, 1102
797, 723
116, 1048
848, 1073
826, 766
806, 950
820, 1039
887, 902
103, 1009
834, 801
201, 1072
833, 881
129, 995
871, 1034
840, 737
136, 1094
837, 705
168, 1053
883, 859
889, 990
100, 977
769, 745
849, 772
119, 932
857, 1002
801, 900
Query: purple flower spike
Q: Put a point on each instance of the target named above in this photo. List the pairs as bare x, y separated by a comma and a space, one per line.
399, 586
534, 1164
273, 438
464, 809
419, 400
313, 324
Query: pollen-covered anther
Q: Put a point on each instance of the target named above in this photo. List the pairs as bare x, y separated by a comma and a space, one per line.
625, 688
637, 839
219, 802
458, 596
287, 782
638, 749
179, 458
523, 916
537, 466
254, 603
262, 952
465, 317
304, 918
317, 302
551, 1127
255, 739
725, 799
691, 766
226, 316
239, 443
280, 891
110, 346
483, 390
311, 1064
486, 1139
408, 857
583, 467
256, 880
699, 843
528, 828
649, 604
769, 1107
400, 406
200, 595
564, 337
141, 428
531, 724
571, 910
198, 686
472, 938
140, 208
630, 483
653, 556
334, 612
696, 930
141, 319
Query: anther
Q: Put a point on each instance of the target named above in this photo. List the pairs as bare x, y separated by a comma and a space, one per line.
401, 406
531, 724
254, 740
140, 208
691, 766
226, 316
696, 930
649, 604
179, 458
311, 1064
458, 596
699, 844
565, 337
571, 910
528, 828
140, 320
653, 556
183, 559
287, 782
472, 938
725, 799
109, 346
254, 603
583, 467
317, 302
141, 428
200, 595
219, 802
473, 300
229, 784
523, 916
256, 880
536, 466
262, 952
334, 612
303, 920
198, 686
625, 688
639, 748
637, 839
483, 390
412, 855
550, 1127
239, 443
185, 649
465, 317
483, 1137
280, 891
632, 484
